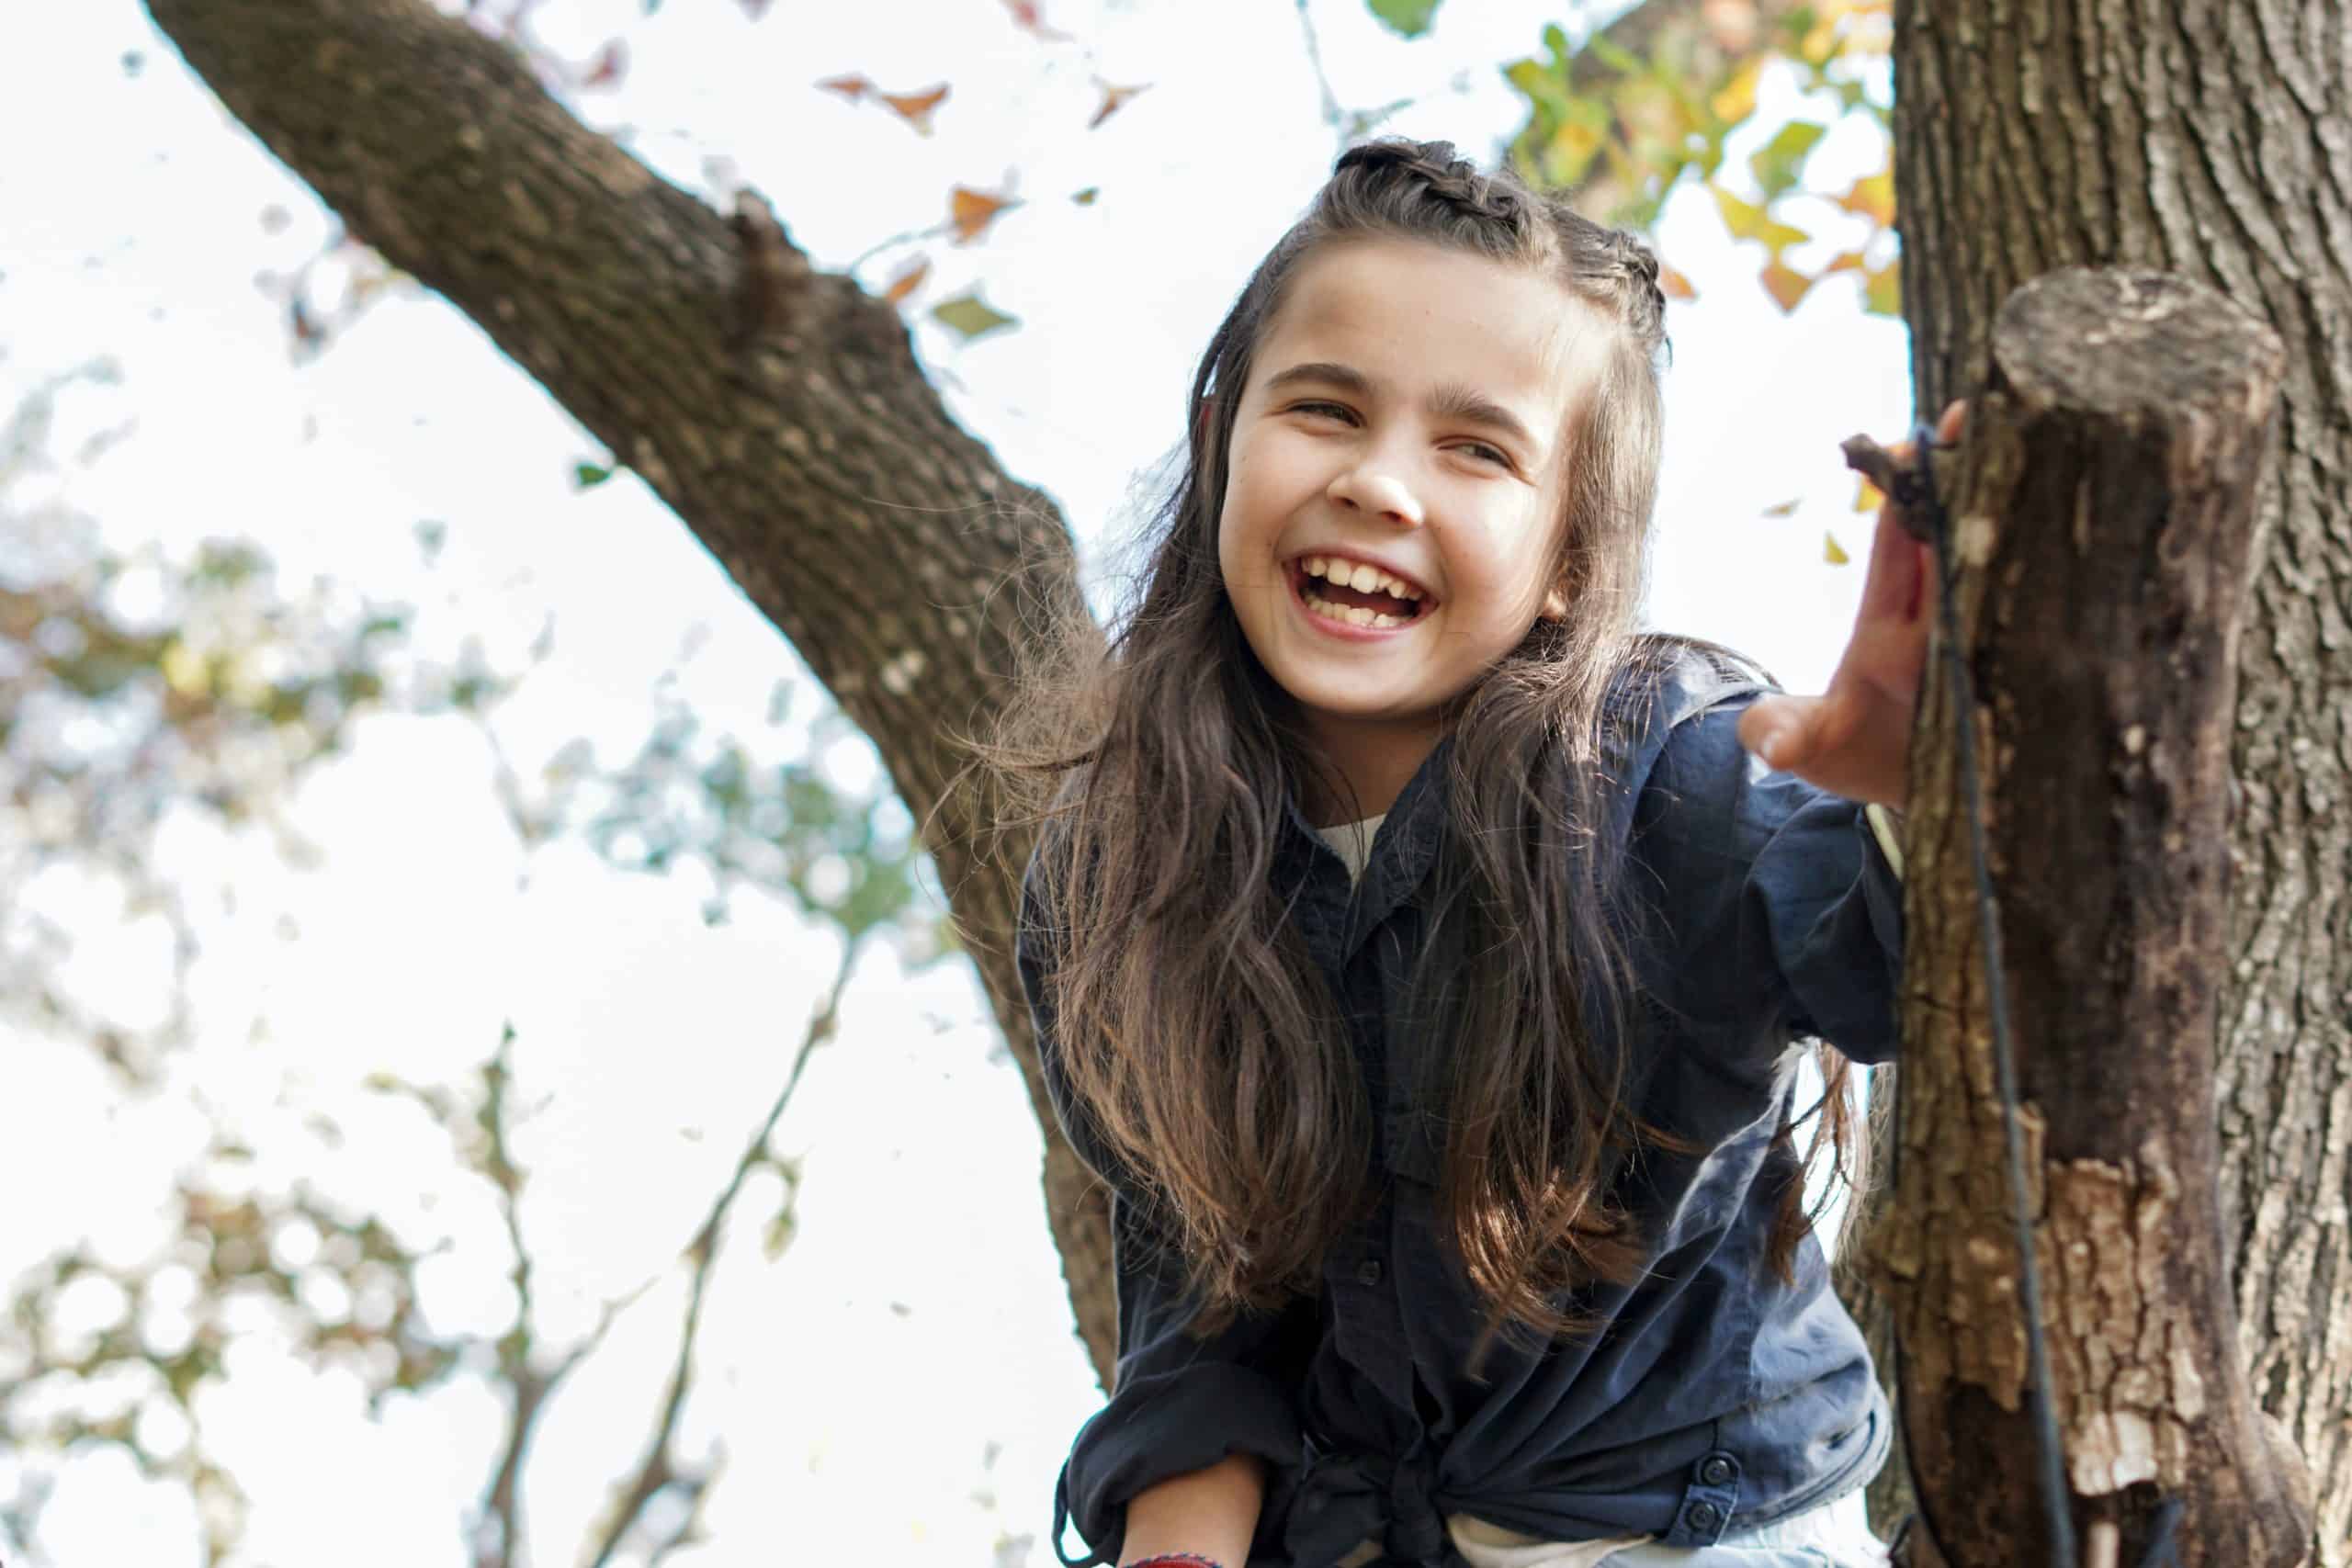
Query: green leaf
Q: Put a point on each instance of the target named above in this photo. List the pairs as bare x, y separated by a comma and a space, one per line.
1782, 160
1411, 18
588, 475
969, 317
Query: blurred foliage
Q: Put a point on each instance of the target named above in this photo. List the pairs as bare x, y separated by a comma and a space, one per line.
1624, 129
138, 690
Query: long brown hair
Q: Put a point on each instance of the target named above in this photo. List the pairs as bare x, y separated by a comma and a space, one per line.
1193, 1031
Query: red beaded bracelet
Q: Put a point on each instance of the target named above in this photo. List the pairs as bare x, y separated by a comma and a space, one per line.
1175, 1560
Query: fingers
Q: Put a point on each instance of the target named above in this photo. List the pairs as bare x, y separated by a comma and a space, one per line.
1897, 573
1781, 729
1948, 424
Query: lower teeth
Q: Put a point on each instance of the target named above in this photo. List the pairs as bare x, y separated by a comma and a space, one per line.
1354, 615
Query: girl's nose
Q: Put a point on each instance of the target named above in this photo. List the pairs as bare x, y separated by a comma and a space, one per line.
1367, 488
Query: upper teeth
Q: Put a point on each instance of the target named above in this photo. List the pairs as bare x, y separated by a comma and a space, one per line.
1356, 575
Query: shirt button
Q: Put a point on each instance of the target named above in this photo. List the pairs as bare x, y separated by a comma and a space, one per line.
1706, 1515
1716, 1470
1368, 1272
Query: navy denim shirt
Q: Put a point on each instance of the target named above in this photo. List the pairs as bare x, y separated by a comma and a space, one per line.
1714, 1398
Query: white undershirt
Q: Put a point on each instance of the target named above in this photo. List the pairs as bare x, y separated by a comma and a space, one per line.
1351, 841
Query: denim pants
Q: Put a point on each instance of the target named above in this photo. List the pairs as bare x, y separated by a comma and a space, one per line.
1835, 1535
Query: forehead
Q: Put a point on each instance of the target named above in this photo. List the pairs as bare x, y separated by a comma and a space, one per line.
1413, 315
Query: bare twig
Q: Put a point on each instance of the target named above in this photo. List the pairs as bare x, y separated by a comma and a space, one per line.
660, 1469
1332, 115
498, 1538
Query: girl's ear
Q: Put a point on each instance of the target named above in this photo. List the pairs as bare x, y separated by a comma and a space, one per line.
1555, 606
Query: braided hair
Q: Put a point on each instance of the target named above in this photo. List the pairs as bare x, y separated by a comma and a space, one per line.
1500, 202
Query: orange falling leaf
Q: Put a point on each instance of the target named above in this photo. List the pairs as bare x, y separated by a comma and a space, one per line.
915, 108
1787, 287
852, 88
1832, 552
1030, 17
1785, 509
1113, 99
908, 279
1087, 197
611, 61
1674, 286
973, 210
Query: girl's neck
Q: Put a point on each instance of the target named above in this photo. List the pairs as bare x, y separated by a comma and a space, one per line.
1375, 761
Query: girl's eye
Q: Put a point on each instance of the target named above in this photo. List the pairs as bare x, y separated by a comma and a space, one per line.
1326, 410
1490, 454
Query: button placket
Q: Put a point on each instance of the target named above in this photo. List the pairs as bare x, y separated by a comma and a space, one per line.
1709, 1500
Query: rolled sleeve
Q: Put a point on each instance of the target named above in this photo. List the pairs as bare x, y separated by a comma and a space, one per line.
1785, 904
1180, 1402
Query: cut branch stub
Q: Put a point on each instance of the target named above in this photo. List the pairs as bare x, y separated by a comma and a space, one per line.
2103, 533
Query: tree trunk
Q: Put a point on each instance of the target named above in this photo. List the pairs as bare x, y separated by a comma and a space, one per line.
779, 411
2205, 137
2101, 535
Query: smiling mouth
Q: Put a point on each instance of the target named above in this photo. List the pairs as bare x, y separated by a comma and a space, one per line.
1373, 609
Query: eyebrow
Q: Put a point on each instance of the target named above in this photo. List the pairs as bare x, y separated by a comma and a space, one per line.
1451, 402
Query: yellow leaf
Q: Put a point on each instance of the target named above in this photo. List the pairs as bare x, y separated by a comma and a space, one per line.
1830, 551
1787, 287
910, 278
1785, 509
915, 108
1735, 99
851, 88
973, 210
1868, 497
1674, 286
1113, 98
1845, 261
1087, 197
1749, 221
968, 316
1574, 143
1873, 197
184, 668
1883, 294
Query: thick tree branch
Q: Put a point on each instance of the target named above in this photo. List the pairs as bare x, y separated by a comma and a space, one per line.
808, 455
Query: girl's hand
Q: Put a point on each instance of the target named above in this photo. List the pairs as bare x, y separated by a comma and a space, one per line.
1855, 738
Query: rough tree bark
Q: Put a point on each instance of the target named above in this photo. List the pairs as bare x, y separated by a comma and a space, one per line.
2207, 138
2102, 535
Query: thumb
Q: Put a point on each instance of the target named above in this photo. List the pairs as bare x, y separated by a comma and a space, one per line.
1779, 728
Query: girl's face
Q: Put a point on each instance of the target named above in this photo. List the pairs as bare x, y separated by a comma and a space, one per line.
1393, 495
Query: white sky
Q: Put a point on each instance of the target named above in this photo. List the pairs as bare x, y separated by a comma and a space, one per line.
900, 1387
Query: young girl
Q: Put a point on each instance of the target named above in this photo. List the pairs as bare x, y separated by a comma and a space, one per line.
1417, 951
